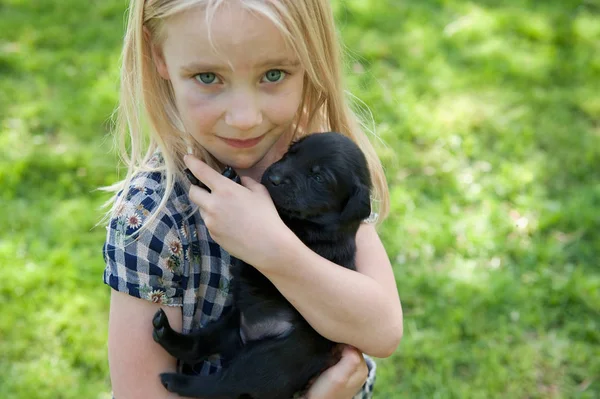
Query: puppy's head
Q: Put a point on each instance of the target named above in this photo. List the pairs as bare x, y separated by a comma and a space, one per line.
323, 178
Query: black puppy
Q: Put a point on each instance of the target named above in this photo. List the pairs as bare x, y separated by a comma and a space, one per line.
321, 189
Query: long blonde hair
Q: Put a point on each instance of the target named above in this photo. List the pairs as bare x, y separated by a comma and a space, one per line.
147, 118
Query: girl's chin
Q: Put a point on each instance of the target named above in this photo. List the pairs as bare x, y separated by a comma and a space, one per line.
240, 163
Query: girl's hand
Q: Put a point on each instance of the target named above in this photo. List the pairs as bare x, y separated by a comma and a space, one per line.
240, 218
343, 380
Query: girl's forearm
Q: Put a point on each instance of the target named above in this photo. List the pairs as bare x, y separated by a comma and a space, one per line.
342, 305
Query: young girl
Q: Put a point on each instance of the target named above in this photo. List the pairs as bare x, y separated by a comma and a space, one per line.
232, 82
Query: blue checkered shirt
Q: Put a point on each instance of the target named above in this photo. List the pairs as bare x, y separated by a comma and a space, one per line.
173, 261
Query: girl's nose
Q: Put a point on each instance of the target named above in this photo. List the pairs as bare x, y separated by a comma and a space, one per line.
243, 113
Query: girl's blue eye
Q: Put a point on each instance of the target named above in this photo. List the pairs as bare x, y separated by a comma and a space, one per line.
274, 75
206, 77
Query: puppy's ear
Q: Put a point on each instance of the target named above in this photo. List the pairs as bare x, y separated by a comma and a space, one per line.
358, 206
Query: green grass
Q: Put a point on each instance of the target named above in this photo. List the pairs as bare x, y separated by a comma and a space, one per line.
490, 114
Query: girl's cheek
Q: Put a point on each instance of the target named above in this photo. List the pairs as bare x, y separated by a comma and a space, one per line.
282, 108
201, 107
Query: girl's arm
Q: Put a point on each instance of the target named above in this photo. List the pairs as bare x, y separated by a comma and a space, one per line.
360, 309
135, 360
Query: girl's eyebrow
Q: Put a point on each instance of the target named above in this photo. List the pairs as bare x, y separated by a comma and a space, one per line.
278, 62
195, 67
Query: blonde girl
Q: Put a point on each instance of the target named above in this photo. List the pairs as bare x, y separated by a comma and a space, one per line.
208, 83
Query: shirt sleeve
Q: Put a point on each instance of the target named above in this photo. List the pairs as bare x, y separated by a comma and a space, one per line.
366, 392
145, 260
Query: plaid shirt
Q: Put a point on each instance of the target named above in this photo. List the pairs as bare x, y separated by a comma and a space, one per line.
173, 261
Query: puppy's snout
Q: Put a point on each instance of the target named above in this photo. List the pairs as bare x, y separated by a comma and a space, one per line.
277, 179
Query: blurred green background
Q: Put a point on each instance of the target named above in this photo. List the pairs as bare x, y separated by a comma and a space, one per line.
490, 115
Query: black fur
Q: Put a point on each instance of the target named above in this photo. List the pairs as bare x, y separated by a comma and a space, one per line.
321, 189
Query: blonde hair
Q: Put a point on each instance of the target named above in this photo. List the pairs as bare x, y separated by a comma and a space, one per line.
147, 118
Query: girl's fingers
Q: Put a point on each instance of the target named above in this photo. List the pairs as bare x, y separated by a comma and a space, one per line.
343, 379
199, 196
352, 370
202, 171
353, 362
250, 183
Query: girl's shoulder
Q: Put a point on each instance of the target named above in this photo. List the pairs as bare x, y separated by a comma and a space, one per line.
142, 204
148, 240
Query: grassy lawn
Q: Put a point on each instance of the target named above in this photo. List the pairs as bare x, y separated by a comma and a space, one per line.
490, 116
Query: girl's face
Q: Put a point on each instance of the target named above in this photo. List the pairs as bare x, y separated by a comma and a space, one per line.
238, 91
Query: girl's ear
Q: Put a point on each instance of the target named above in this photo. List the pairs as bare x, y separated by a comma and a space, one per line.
157, 56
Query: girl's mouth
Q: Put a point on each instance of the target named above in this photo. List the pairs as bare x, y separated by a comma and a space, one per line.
243, 143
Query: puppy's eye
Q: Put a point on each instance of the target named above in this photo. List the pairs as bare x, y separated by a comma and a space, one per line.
314, 172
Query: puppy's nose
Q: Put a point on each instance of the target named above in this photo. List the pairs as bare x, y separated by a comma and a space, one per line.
275, 178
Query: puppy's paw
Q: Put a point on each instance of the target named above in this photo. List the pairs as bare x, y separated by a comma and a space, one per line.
176, 344
178, 383
160, 322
